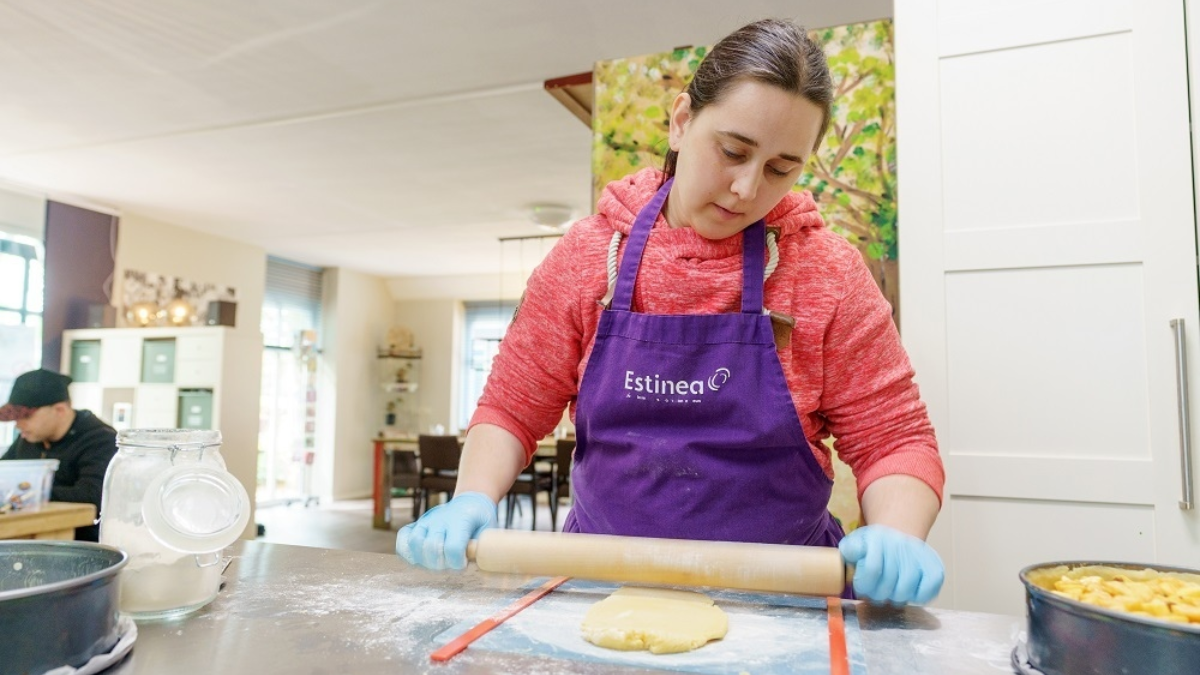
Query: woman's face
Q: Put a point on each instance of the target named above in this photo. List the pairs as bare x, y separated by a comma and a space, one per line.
738, 157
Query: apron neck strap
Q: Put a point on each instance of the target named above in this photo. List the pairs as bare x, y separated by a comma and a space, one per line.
753, 244
640, 232
754, 241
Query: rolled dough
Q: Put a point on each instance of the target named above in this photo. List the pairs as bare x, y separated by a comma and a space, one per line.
659, 620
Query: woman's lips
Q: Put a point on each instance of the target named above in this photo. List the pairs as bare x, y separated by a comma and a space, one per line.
726, 213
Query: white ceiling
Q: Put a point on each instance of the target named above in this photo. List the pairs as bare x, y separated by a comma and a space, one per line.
390, 137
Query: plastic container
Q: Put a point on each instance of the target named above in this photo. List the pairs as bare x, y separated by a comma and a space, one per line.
171, 505
25, 483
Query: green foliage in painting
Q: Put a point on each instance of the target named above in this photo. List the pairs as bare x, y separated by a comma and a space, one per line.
852, 175
633, 100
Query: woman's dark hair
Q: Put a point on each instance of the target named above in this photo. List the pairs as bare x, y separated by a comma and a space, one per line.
771, 51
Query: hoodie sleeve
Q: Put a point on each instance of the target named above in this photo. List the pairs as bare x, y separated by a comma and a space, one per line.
535, 373
869, 400
91, 455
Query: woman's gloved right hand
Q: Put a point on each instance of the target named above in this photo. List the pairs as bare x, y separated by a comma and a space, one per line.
891, 566
438, 540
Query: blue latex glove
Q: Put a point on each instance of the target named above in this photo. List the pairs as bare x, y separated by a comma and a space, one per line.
891, 566
438, 540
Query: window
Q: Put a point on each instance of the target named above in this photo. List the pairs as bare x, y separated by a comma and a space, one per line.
484, 325
291, 316
21, 278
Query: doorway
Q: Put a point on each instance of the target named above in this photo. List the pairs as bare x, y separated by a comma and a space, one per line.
291, 361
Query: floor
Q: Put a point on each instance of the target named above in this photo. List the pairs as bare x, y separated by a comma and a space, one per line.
347, 524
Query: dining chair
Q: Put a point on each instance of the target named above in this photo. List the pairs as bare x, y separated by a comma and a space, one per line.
564, 452
439, 457
531, 481
406, 476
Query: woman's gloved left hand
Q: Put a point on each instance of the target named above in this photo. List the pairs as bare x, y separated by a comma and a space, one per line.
891, 566
438, 540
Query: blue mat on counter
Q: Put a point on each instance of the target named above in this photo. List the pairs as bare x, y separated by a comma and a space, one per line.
768, 634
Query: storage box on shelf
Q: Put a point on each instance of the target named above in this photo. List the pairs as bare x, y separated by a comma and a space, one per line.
85, 360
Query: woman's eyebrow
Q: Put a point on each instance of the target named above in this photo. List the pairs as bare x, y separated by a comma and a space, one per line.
754, 144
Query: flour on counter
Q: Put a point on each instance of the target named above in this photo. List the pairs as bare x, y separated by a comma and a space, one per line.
767, 635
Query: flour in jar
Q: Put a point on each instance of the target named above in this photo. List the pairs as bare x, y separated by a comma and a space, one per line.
156, 578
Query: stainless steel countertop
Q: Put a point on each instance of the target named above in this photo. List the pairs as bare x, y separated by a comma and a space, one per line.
292, 609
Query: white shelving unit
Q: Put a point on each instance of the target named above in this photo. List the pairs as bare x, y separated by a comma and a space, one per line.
193, 368
399, 377
198, 366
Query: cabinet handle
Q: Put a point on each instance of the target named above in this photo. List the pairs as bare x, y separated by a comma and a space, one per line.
1185, 432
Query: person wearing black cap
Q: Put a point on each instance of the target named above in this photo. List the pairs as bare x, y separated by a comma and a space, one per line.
51, 429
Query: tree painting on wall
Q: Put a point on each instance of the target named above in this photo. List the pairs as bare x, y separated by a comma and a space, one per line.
853, 173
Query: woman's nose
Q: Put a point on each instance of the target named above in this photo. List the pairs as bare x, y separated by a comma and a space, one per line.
745, 184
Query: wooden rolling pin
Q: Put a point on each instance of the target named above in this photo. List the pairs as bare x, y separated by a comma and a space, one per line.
805, 570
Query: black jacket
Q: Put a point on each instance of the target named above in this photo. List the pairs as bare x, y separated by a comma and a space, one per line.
83, 455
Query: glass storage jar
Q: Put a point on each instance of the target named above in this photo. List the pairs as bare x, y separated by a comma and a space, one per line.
170, 504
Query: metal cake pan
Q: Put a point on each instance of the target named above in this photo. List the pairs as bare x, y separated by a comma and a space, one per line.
58, 603
1068, 637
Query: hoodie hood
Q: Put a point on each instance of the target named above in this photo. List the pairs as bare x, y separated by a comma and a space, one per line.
622, 199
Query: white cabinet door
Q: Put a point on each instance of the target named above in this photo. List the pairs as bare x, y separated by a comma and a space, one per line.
120, 360
1049, 241
191, 373
203, 347
198, 360
156, 406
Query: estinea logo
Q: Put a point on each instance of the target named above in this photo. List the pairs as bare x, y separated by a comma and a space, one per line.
658, 385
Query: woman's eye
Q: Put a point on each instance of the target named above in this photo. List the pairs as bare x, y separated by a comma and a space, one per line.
775, 171
731, 154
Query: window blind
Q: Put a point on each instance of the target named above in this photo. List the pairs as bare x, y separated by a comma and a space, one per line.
291, 301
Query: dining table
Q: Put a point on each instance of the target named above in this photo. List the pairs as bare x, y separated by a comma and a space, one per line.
385, 450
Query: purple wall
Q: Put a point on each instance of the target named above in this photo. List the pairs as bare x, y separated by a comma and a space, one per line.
79, 270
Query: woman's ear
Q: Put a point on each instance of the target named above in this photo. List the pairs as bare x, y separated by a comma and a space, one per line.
681, 114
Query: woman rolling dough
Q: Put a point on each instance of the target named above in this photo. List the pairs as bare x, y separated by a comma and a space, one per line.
691, 421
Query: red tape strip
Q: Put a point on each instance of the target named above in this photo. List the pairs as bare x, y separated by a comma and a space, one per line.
839, 663
461, 642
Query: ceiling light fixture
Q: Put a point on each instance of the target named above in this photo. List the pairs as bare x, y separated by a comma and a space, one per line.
551, 217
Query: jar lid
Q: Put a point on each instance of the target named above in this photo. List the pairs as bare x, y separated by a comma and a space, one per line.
196, 509
169, 439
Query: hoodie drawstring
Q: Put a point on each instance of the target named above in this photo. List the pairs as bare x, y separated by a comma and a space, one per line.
615, 243
768, 269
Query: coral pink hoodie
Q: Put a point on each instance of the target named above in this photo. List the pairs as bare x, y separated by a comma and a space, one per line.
849, 376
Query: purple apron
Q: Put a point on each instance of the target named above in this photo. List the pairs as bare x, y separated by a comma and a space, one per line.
685, 425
